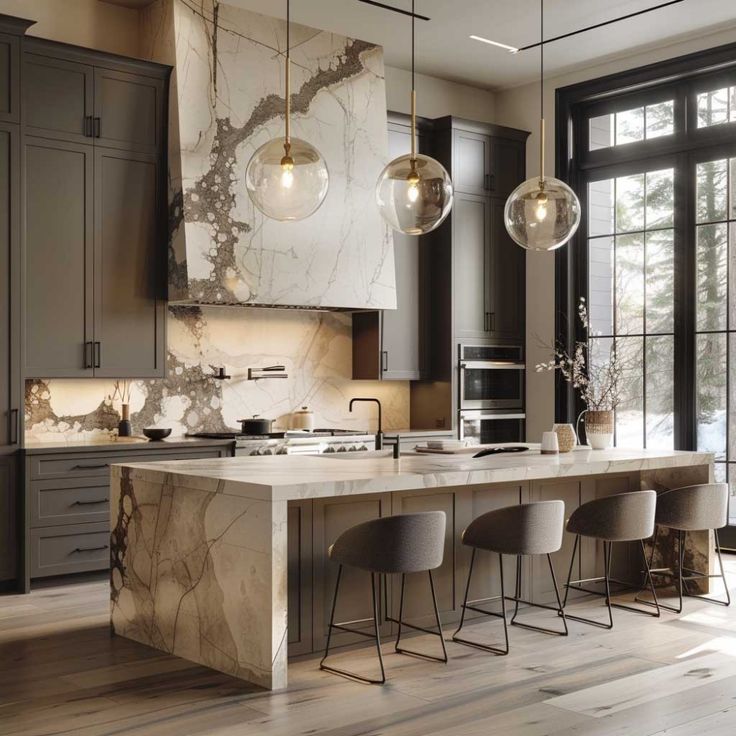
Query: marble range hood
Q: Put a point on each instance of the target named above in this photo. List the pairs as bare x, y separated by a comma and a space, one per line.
226, 100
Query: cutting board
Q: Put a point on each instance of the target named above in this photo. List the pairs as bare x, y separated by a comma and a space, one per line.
466, 450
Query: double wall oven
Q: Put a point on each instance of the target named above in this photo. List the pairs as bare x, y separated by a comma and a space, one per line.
491, 401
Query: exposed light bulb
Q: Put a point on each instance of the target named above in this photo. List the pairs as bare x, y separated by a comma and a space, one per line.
540, 211
287, 168
287, 178
413, 190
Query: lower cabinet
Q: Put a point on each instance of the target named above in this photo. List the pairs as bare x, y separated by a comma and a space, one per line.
8, 519
315, 525
68, 508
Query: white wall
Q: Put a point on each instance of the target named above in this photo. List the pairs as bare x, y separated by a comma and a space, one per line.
519, 108
438, 97
89, 23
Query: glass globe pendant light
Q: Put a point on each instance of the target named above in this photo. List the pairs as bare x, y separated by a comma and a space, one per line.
414, 192
542, 213
287, 178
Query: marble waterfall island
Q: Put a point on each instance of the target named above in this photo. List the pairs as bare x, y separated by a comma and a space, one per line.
216, 560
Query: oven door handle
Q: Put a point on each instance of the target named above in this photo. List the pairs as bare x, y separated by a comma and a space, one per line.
491, 365
473, 415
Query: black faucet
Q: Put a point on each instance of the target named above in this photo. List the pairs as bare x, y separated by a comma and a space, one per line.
379, 433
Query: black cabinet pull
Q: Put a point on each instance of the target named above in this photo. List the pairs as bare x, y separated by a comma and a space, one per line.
492, 320
90, 503
89, 355
486, 322
90, 549
491, 182
13, 429
97, 127
487, 182
98, 354
384, 360
88, 126
91, 466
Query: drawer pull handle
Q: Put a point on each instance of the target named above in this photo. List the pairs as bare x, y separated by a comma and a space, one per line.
89, 503
90, 549
97, 466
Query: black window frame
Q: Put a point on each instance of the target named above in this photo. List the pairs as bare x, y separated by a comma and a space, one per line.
679, 79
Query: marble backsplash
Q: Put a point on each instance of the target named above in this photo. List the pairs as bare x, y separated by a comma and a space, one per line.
315, 347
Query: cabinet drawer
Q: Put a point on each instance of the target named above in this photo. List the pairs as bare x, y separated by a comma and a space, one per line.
97, 464
69, 502
58, 550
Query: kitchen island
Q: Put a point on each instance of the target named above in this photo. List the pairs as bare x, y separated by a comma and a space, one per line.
223, 562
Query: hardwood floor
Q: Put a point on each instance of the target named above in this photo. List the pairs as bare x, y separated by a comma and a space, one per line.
61, 672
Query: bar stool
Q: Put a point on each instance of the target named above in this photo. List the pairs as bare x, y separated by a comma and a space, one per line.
403, 544
624, 517
691, 508
524, 529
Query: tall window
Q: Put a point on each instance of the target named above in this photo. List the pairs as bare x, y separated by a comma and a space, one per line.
655, 255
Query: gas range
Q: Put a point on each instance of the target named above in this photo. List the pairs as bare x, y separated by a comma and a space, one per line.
296, 442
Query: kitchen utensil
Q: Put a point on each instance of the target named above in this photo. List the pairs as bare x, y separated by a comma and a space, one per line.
156, 434
255, 425
500, 450
303, 419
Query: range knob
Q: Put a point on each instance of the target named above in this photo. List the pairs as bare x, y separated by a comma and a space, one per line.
266, 451
363, 448
282, 451
329, 448
342, 448
254, 452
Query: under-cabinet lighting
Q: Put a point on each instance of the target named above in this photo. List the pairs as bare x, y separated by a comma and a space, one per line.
512, 49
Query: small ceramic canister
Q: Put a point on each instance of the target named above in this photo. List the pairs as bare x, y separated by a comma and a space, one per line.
565, 436
550, 445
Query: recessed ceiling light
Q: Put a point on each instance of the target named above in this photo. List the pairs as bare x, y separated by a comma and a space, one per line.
512, 49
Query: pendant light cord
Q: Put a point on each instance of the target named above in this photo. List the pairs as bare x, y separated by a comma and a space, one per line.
287, 136
413, 89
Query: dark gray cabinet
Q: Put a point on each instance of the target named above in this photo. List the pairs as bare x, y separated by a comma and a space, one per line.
57, 98
471, 272
8, 519
94, 218
129, 311
389, 344
507, 279
471, 172
128, 109
59, 258
9, 87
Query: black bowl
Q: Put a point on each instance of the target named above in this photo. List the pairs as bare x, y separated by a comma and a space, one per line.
156, 433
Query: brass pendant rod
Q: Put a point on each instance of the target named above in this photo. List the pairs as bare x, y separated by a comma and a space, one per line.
413, 91
541, 94
287, 134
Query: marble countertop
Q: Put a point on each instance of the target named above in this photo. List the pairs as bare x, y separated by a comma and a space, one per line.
118, 443
293, 477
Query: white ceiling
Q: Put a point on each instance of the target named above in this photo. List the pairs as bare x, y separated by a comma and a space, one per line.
444, 49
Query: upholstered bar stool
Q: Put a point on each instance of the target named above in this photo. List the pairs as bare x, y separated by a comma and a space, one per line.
402, 544
624, 517
525, 529
692, 508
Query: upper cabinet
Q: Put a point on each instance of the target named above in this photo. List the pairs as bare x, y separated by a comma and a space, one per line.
94, 219
388, 344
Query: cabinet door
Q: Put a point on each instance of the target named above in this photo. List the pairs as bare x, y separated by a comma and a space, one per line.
8, 518
507, 279
9, 291
470, 243
333, 516
58, 258
507, 166
9, 78
128, 110
129, 308
57, 98
471, 162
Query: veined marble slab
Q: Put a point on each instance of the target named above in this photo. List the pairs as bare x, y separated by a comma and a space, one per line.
294, 477
199, 548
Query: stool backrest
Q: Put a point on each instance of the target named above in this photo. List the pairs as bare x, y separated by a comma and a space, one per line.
523, 529
694, 508
619, 518
403, 543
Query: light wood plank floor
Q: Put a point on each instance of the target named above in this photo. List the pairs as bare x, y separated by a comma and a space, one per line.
61, 672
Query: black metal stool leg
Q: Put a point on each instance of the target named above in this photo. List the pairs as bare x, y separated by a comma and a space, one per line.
343, 627
470, 606
401, 623
518, 599
569, 572
695, 575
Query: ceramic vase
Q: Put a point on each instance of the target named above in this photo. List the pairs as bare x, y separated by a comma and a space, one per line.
566, 437
124, 427
599, 426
